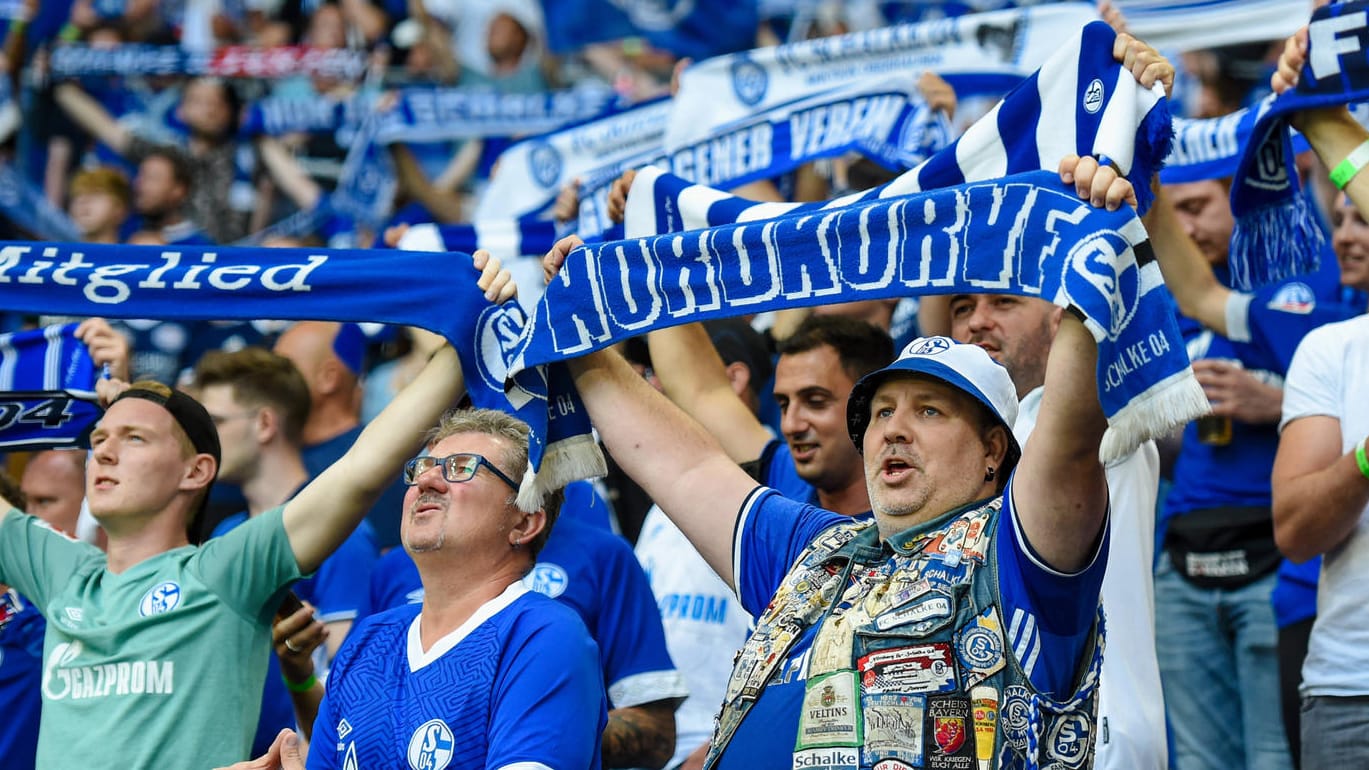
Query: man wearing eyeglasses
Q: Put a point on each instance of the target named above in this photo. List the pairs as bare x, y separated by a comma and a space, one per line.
488, 673
134, 672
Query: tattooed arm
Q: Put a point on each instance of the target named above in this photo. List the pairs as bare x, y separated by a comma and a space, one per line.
641, 736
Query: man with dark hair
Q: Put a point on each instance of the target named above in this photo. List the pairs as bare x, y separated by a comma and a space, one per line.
139, 636
259, 402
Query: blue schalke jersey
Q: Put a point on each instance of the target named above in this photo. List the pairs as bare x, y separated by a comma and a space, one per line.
1049, 617
1274, 321
21, 665
778, 473
518, 683
595, 573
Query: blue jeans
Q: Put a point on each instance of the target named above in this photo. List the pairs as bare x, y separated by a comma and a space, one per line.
1333, 732
1219, 666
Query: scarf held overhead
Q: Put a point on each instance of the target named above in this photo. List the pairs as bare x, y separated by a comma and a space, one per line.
1276, 234
1081, 101
431, 291
47, 390
1025, 234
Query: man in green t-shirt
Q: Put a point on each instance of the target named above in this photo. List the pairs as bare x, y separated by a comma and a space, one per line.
156, 650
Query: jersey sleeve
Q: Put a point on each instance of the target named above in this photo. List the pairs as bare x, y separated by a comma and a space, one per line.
548, 705
250, 565
637, 664
342, 584
772, 531
1047, 614
37, 559
1312, 387
1275, 319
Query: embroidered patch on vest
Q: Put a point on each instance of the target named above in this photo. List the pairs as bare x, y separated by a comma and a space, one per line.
893, 730
949, 744
914, 669
980, 648
831, 714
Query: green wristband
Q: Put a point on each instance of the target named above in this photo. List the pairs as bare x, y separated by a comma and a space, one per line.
1361, 460
305, 686
1348, 168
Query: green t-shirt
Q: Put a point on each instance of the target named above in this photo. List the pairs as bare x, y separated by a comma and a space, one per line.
161, 665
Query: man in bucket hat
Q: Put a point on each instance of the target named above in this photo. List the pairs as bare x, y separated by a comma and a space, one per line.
960, 627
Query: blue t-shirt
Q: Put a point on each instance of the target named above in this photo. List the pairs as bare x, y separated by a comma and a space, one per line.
519, 685
21, 668
1048, 616
778, 473
595, 573
384, 516
338, 591
1275, 321
1295, 592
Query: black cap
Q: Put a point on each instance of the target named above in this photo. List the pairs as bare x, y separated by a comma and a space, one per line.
737, 341
188, 413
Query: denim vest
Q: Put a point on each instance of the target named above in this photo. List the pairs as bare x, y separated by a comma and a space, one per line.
909, 666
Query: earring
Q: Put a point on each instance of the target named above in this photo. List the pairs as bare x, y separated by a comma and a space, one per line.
989, 474
517, 544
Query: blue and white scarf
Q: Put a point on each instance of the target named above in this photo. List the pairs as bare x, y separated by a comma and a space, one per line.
1081, 101
447, 114
47, 390
1186, 25
985, 53
79, 60
1276, 233
505, 239
885, 119
1026, 234
432, 291
531, 173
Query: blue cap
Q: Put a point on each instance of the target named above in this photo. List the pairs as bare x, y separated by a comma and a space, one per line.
964, 367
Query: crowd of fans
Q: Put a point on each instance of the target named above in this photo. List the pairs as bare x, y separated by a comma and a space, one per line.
1222, 650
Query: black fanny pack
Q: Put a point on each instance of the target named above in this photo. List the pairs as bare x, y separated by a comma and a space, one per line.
1227, 547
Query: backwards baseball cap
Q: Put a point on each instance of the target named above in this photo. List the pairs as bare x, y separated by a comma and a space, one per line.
965, 367
188, 413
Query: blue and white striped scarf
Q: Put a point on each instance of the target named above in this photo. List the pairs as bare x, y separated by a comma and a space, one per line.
47, 390
1026, 234
1080, 101
432, 291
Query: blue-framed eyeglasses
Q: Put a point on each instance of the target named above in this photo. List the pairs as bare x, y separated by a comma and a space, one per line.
456, 468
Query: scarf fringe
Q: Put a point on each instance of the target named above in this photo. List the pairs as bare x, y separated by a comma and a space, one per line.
1171, 402
1153, 140
1275, 242
569, 459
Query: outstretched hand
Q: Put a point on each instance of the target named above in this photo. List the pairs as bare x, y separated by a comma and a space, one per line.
617, 196
556, 258
1100, 185
1145, 63
283, 755
1291, 61
496, 281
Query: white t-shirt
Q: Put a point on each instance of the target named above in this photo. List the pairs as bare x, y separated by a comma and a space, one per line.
704, 623
1131, 706
1329, 377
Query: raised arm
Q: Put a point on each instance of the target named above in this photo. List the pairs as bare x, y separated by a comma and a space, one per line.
674, 459
92, 117
693, 375
1188, 275
287, 173
326, 511
1331, 131
1060, 489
